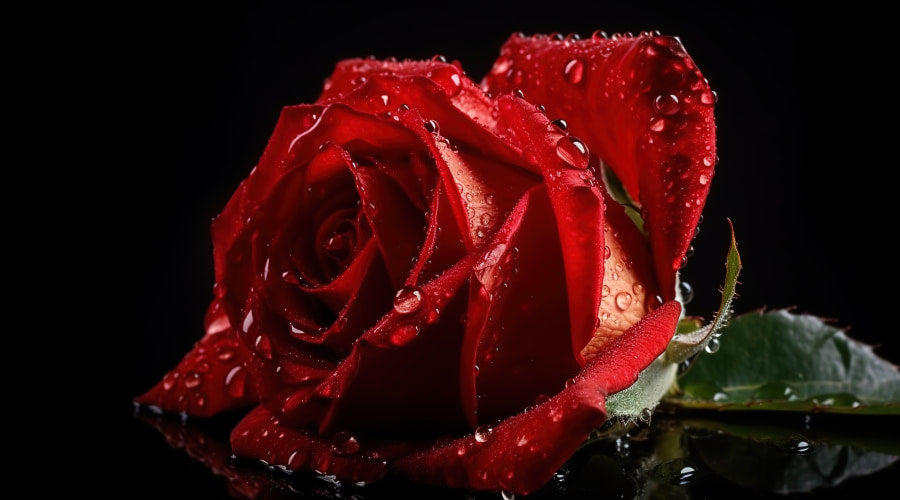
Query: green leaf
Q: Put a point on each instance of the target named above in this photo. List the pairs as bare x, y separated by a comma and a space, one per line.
686, 345
791, 362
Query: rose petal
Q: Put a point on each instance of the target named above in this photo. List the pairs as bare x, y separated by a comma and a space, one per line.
373, 388
443, 246
211, 378
447, 79
521, 453
396, 223
517, 329
260, 436
629, 283
577, 204
617, 96
465, 118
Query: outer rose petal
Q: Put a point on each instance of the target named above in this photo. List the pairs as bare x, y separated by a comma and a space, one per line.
642, 105
211, 378
522, 453
449, 78
259, 435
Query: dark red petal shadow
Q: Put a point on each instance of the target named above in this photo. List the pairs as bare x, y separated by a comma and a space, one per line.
642, 106
521, 453
211, 378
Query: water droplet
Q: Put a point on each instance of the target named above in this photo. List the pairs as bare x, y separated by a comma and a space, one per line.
704, 179
518, 93
448, 79
571, 150
713, 346
686, 291
432, 126
508, 495
646, 415
599, 34
558, 125
709, 97
200, 400
263, 346
235, 382
482, 432
344, 443
489, 199
606, 252
802, 445
225, 353
658, 125
637, 288
407, 300
168, 382
623, 300
522, 441
438, 58
719, 397
192, 380
574, 71
675, 471
605, 291
404, 334
501, 66
248, 321
667, 104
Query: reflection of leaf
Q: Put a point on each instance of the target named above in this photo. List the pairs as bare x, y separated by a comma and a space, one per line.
778, 459
783, 361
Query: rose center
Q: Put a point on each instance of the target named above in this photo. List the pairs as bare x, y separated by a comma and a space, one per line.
340, 245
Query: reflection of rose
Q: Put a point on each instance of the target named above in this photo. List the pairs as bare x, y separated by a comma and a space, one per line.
415, 259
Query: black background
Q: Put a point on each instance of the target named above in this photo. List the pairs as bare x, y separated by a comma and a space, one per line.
194, 93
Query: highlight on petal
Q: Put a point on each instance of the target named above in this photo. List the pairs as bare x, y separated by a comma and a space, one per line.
643, 107
211, 378
522, 452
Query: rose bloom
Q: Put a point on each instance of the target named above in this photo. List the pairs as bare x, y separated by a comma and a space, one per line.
429, 278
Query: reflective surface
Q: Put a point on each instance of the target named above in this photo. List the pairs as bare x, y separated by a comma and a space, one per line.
697, 455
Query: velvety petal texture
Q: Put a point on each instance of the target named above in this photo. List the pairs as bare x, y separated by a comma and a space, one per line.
428, 278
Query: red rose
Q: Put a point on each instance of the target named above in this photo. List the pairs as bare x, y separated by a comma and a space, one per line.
423, 278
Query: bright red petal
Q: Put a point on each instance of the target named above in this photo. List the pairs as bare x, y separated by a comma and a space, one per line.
522, 453
211, 378
642, 106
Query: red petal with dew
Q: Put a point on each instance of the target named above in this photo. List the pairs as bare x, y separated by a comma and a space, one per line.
643, 107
